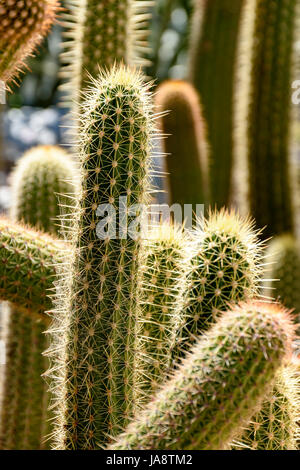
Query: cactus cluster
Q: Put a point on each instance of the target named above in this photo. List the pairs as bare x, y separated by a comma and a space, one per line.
23, 24
218, 387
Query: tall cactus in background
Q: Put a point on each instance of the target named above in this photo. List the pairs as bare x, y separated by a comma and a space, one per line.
284, 273
96, 307
100, 33
161, 304
219, 386
185, 144
226, 267
275, 426
40, 176
268, 113
23, 24
214, 41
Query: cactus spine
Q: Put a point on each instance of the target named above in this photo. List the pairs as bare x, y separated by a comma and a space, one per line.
219, 385
275, 426
268, 114
214, 40
23, 24
28, 266
35, 184
98, 298
102, 32
225, 268
161, 301
185, 146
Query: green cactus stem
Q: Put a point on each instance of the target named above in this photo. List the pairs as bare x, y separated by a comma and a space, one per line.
219, 386
185, 144
275, 426
268, 115
161, 304
94, 393
214, 42
23, 25
226, 267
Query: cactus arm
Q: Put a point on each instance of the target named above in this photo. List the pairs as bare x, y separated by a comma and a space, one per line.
219, 385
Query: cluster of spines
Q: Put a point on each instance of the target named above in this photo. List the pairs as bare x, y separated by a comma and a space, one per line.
23, 24
39, 177
185, 145
226, 267
276, 425
99, 34
161, 304
267, 127
219, 385
214, 42
96, 304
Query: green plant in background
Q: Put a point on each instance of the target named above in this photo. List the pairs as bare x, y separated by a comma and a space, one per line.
40, 176
218, 386
213, 47
161, 304
284, 272
226, 267
275, 426
23, 24
100, 33
28, 266
185, 144
267, 124
98, 296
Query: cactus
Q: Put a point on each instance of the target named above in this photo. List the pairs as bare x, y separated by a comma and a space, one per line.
28, 266
23, 25
267, 124
275, 426
35, 184
214, 40
226, 267
185, 146
161, 301
284, 256
101, 34
219, 386
94, 392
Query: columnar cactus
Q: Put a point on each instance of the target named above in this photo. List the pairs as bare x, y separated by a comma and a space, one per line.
275, 426
267, 123
283, 255
23, 24
161, 304
214, 41
102, 32
28, 266
219, 386
35, 184
225, 268
185, 144
96, 307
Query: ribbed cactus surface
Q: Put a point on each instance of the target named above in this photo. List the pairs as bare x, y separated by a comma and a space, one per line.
28, 266
268, 120
225, 268
185, 142
100, 33
23, 24
99, 298
161, 305
275, 426
213, 47
219, 386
